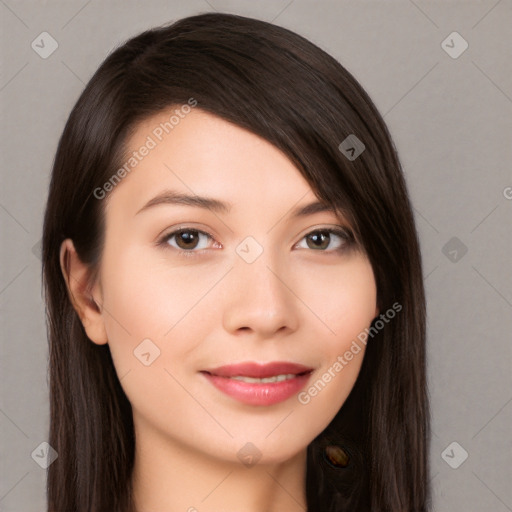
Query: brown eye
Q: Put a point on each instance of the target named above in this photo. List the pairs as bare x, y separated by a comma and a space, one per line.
319, 240
187, 240
322, 239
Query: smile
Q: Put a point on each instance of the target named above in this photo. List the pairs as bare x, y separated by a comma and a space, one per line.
259, 384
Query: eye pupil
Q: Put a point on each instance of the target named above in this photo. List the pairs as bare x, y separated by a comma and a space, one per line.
320, 236
189, 237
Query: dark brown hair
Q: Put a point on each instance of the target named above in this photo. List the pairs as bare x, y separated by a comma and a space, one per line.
285, 89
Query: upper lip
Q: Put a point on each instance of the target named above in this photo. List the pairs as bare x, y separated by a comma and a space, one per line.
257, 370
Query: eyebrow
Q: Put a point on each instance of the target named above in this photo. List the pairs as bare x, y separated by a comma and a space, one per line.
215, 205
172, 197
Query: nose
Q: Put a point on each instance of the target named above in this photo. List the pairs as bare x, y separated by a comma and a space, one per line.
260, 299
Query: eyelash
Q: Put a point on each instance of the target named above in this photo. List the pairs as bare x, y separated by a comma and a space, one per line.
344, 233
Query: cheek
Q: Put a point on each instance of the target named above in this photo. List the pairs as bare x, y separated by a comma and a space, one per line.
344, 300
149, 299
133, 301
346, 305
151, 318
150, 296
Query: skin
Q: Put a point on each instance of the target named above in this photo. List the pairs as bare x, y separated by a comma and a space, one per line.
295, 303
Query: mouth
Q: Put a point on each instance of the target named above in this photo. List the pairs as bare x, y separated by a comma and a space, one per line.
259, 384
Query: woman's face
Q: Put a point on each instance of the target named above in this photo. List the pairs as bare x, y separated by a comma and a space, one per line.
250, 282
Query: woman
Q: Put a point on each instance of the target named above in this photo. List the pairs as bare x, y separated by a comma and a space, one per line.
233, 281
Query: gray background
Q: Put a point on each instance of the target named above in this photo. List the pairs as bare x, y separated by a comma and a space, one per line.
451, 121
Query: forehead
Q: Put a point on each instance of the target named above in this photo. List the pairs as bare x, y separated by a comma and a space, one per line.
205, 155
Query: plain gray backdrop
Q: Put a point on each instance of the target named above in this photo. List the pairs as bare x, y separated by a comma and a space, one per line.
449, 110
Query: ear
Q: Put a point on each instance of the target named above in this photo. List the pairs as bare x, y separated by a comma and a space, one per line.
87, 301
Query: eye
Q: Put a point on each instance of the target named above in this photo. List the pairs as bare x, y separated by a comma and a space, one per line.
321, 239
187, 240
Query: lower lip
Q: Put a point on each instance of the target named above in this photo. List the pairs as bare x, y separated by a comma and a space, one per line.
259, 394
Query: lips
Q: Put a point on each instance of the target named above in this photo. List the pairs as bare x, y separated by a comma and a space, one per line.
259, 384
259, 371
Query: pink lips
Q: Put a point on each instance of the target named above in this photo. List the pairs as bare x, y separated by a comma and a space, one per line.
259, 393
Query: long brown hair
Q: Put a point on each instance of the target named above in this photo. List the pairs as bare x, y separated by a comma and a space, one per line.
285, 89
